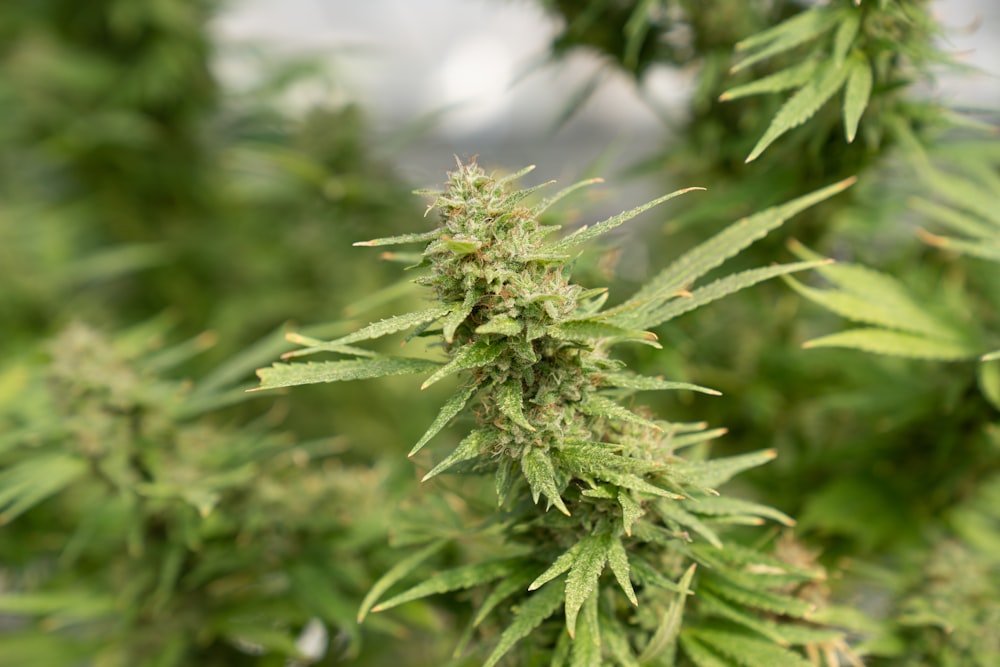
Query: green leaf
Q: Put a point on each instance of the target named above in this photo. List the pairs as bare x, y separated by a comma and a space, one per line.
882, 341
291, 375
404, 238
780, 605
559, 566
746, 650
600, 406
714, 473
856, 94
590, 330
715, 606
503, 325
25, 484
646, 383
378, 329
581, 581
983, 249
618, 561
792, 77
872, 297
785, 36
449, 410
516, 582
719, 289
454, 319
801, 106
586, 233
510, 400
473, 355
396, 574
542, 206
529, 616
586, 650
672, 512
636, 483
703, 258
455, 579
722, 506
466, 450
582, 457
847, 31
631, 510
662, 643
541, 477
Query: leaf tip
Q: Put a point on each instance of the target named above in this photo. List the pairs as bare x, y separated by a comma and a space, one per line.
363, 243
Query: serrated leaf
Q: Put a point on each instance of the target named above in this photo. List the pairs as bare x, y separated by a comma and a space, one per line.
843, 39
636, 483
510, 400
29, 482
504, 479
582, 457
558, 567
403, 238
884, 303
801, 106
983, 249
746, 650
587, 233
721, 288
503, 325
714, 473
391, 325
396, 574
529, 616
600, 406
586, 650
716, 606
646, 383
664, 639
703, 258
466, 450
673, 512
618, 561
454, 319
792, 77
722, 506
699, 654
856, 94
785, 36
954, 219
292, 375
542, 206
455, 579
614, 639
449, 410
473, 355
541, 477
588, 563
588, 330
631, 510
780, 605
516, 582
882, 341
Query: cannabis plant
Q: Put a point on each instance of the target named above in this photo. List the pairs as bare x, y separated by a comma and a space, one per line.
137, 530
607, 518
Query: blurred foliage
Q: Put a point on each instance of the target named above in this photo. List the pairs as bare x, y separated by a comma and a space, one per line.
137, 532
